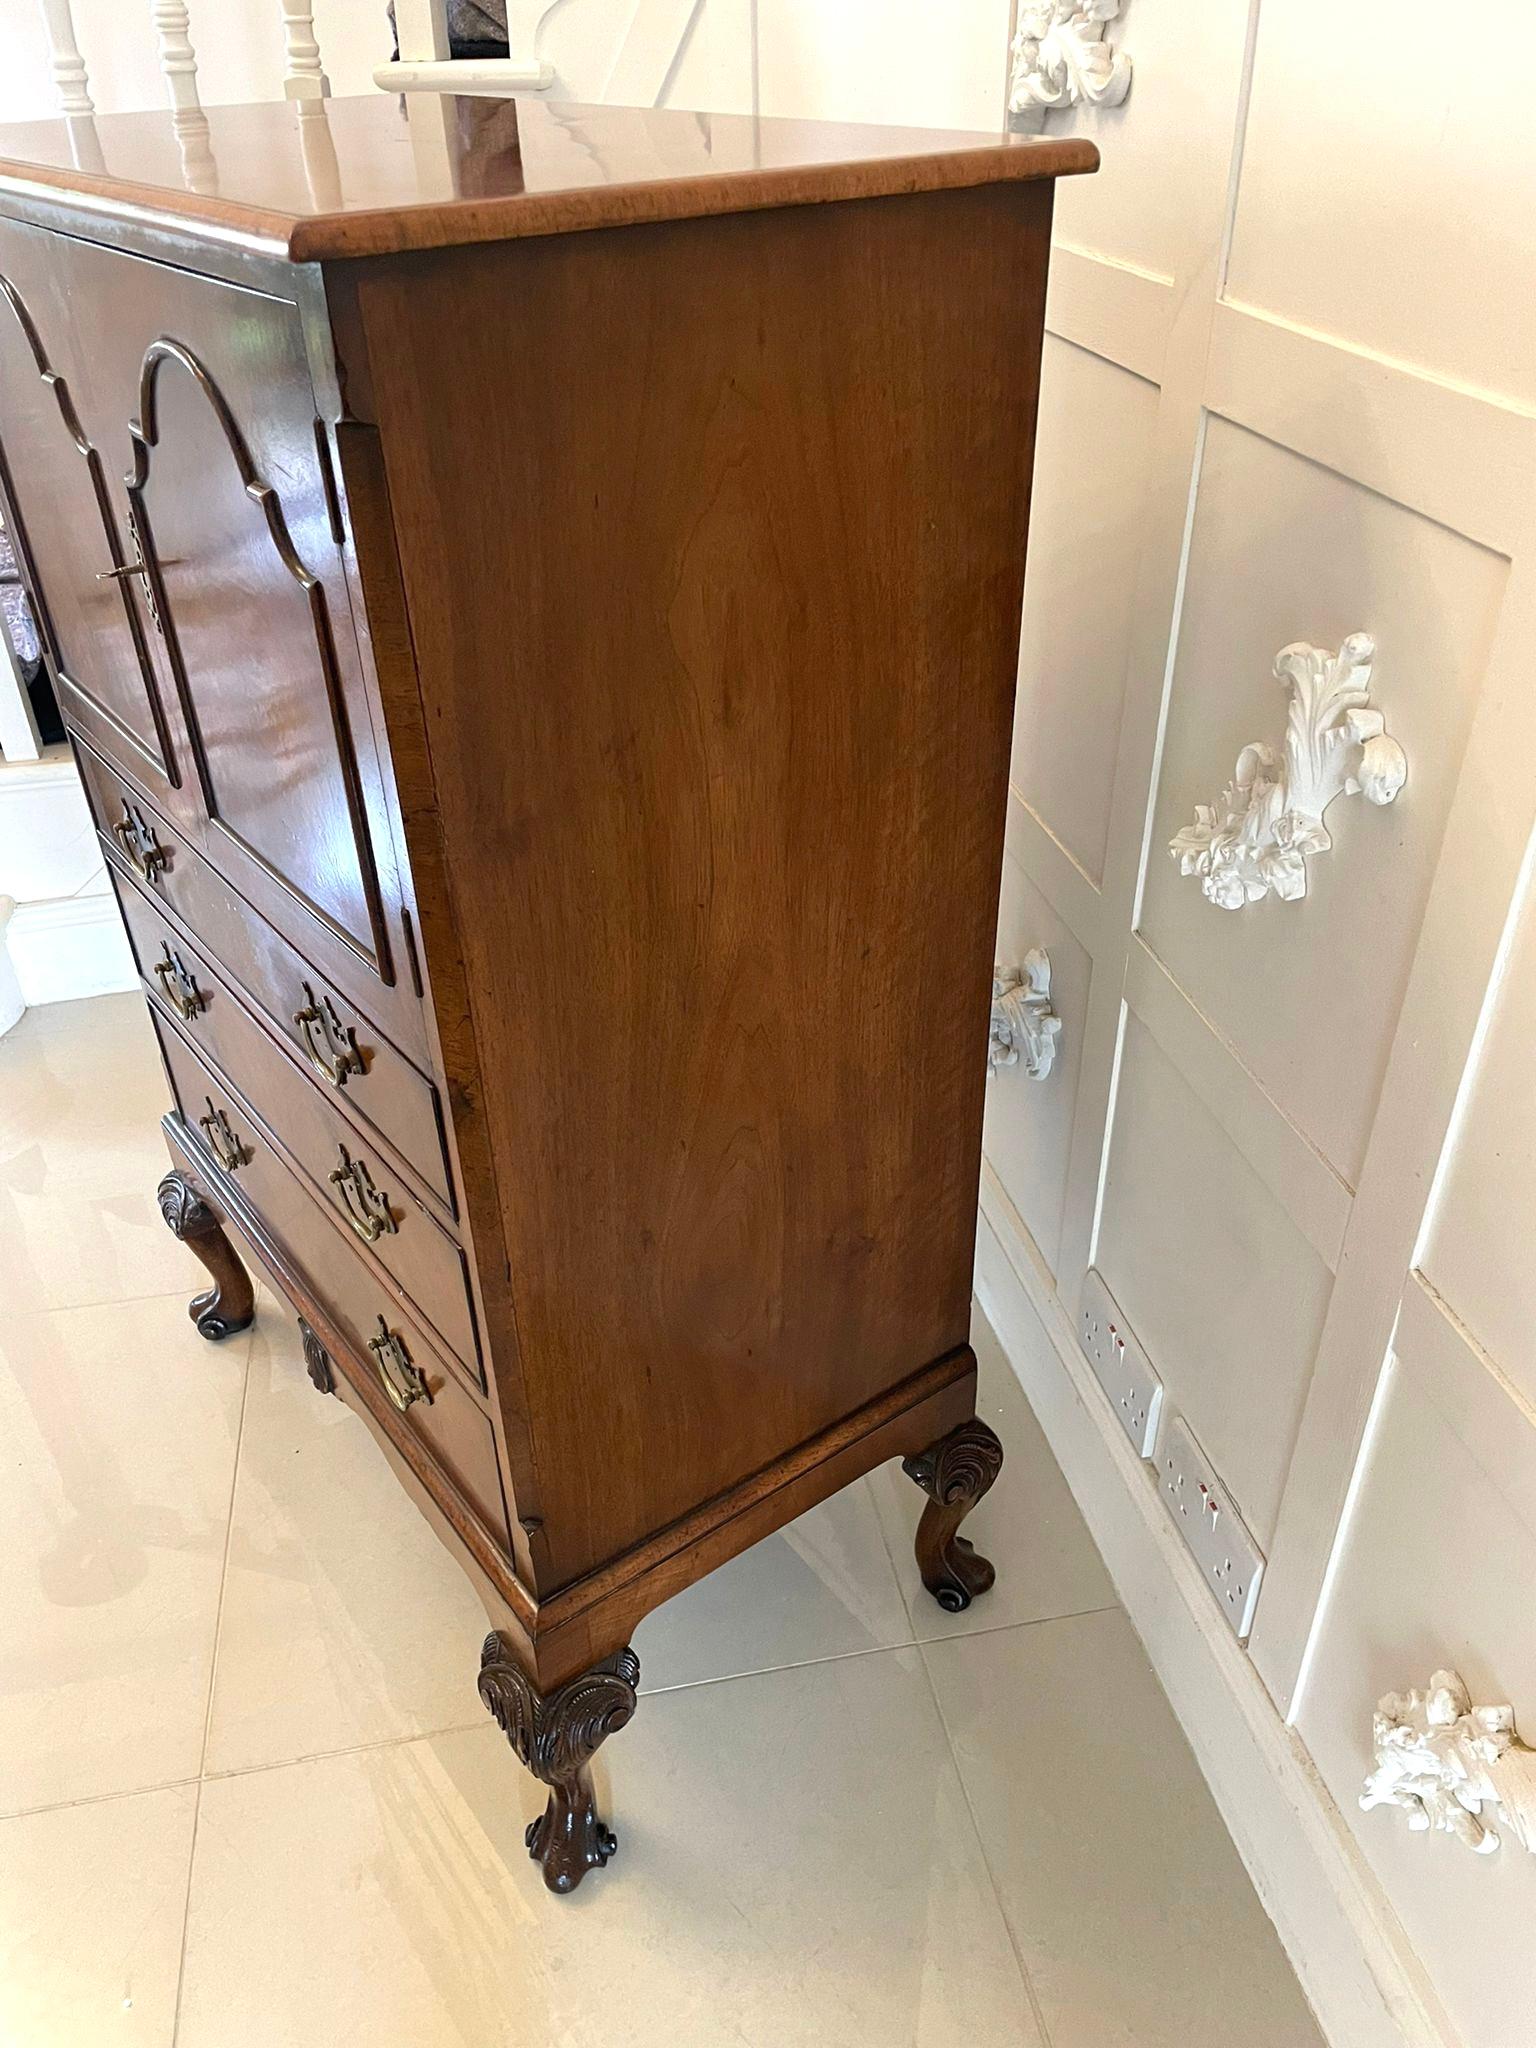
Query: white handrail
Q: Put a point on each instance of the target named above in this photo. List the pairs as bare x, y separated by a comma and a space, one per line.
421, 28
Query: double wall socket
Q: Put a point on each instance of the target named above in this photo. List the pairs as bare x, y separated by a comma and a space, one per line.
1120, 1365
1211, 1526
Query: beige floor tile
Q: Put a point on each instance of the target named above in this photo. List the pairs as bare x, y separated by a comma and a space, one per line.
119, 1427
91, 1906
344, 1619
1028, 1524
796, 1869
823, 1587
1132, 1911
81, 1097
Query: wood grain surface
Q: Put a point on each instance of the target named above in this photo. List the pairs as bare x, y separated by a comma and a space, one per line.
713, 539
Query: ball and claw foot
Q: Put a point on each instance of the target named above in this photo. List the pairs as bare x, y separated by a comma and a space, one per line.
556, 1736
230, 1304
954, 1473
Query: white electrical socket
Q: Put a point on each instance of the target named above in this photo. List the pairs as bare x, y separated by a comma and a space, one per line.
1119, 1364
1203, 1512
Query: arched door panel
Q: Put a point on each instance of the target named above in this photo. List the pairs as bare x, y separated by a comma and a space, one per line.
76, 551
255, 641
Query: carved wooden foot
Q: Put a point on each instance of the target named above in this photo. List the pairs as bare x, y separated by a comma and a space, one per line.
954, 1473
230, 1303
556, 1737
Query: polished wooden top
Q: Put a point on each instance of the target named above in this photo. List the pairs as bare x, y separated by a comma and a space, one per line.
316, 179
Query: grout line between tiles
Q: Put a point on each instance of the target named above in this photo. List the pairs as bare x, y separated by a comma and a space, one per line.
315, 1756
213, 1672
78, 1308
877, 1650
1030, 1993
95, 1799
477, 1722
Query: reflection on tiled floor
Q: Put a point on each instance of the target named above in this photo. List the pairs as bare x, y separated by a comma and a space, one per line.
250, 1798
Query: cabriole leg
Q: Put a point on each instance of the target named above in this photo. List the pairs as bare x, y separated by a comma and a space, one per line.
556, 1736
230, 1303
954, 1473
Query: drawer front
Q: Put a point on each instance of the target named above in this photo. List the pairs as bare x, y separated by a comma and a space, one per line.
386, 1338
382, 1088
340, 1161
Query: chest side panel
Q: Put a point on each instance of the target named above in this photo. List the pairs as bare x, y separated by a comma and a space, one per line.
713, 542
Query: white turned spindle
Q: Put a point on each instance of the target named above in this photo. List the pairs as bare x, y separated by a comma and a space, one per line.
64, 54
178, 63
304, 78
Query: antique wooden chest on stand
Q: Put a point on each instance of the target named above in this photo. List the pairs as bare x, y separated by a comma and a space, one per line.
534, 592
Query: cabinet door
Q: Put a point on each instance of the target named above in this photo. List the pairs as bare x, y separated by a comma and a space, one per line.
255, 640
77, 553
229, 493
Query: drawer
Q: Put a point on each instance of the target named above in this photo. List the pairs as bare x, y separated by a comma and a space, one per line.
342, 1164
336, 1040
386, 1338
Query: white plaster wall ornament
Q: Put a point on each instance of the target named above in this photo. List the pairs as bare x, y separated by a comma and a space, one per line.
1061, 57
1254, 841
1024, 1026
1452, 1767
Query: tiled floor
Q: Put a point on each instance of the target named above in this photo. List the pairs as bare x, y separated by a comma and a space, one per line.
250, 1798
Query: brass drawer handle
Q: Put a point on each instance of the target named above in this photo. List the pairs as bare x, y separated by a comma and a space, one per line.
331, 1045
402, 1381
136, 836
368, 1211
231, 1152
178, 985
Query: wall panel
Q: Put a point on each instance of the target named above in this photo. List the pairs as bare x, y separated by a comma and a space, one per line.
1481, 1254
1375, 138
1284, 549
1220, 1286
1436, 1571
1086, 523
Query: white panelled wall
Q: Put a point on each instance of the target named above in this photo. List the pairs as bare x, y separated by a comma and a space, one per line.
1288, 397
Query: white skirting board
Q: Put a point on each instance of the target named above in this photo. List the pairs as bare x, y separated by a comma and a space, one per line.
1344, 1941
67, 947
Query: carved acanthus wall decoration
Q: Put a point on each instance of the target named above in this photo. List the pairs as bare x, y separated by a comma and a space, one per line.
1024, 1026
1061, 57
1453, 1767
1254, 841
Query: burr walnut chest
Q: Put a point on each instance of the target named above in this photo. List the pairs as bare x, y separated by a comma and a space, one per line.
534, 592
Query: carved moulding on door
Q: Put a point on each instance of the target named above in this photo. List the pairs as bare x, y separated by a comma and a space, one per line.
1254, 841
1061, 57
1453, 1767
1024, 1026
